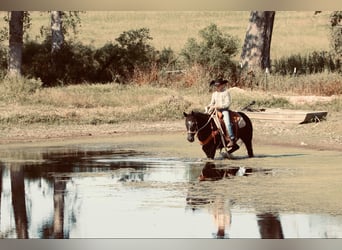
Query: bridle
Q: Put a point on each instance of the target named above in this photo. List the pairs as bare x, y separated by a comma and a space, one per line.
199, 129
213, 134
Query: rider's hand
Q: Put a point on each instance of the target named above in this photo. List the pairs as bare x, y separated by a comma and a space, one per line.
210, 109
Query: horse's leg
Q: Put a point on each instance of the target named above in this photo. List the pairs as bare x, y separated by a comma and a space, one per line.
209, 150
234, 148
249, 147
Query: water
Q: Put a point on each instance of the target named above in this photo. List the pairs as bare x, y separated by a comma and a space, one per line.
96, 192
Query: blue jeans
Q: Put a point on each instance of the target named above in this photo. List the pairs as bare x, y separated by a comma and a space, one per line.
229, 126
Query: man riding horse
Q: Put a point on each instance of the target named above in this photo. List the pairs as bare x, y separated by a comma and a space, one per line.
221, 100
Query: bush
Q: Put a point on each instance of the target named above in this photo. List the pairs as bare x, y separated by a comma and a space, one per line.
18, 88
76, 63
312, 63
214, 52
73, 63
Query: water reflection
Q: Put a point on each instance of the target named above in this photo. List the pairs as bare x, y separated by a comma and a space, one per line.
219, 203
270, 225
78, 193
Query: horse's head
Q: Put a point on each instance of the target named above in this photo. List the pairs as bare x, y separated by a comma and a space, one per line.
191, 125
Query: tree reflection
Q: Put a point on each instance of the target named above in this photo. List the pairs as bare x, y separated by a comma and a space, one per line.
219, 202
58, 202
1, 169
18, 200
270, 226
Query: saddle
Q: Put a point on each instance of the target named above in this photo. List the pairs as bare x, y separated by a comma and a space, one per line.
235, 118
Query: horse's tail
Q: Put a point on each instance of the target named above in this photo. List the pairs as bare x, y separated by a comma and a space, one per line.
246, 134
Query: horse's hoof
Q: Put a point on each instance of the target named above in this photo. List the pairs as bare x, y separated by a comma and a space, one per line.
226, 155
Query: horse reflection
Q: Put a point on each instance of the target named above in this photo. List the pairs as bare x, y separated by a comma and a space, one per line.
218, 203
211, 173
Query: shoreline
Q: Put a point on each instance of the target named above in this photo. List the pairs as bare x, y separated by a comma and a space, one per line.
270, 133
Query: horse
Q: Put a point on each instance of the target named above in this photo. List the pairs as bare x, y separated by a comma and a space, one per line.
204, 126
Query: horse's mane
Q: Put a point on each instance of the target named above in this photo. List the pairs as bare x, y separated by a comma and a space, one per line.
200, 114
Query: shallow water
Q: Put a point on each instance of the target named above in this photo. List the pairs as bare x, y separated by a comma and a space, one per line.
104, 191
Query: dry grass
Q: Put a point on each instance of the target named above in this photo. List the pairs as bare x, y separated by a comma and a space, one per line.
294, 31
168, 96
115, 103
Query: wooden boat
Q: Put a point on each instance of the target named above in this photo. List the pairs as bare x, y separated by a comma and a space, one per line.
287, 115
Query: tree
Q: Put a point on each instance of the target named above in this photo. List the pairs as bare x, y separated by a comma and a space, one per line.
16, 31
336, 32
56, 31
61, 23
256, 49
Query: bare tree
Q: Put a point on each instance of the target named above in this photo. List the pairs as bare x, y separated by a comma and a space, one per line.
15, 43
256, 49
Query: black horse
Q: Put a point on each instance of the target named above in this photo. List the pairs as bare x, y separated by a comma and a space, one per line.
208, 134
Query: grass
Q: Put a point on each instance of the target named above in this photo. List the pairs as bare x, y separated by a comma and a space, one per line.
23, 101
115, 103
293, 33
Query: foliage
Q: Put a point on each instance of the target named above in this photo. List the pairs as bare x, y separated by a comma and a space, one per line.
336, 32
78, 63
71, 20
315, 62
214, 52
18, 88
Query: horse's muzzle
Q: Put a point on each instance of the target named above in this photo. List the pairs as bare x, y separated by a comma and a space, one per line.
191, 137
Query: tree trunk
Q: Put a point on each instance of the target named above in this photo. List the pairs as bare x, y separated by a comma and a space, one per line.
15, 43
56, 30
256, 49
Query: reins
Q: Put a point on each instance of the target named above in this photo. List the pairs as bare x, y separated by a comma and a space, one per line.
213, 132
198, 130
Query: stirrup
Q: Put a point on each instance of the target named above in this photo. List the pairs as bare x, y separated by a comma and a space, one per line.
230, 144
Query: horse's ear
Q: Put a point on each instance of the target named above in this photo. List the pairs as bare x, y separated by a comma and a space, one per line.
185, 114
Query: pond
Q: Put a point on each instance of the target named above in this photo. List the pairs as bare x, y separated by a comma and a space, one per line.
111, 192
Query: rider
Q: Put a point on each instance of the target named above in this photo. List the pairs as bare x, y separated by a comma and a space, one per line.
221, 100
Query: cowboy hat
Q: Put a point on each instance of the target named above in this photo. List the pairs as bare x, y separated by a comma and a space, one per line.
217, 82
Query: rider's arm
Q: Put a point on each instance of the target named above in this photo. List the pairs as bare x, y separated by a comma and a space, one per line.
212, 101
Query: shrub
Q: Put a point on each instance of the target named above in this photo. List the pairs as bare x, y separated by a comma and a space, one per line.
18, 88
315, 62
73, 63
77, 63
3, 61
214, 52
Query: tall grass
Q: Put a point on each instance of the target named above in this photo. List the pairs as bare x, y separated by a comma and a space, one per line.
115, 103
293, 33
156, 95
